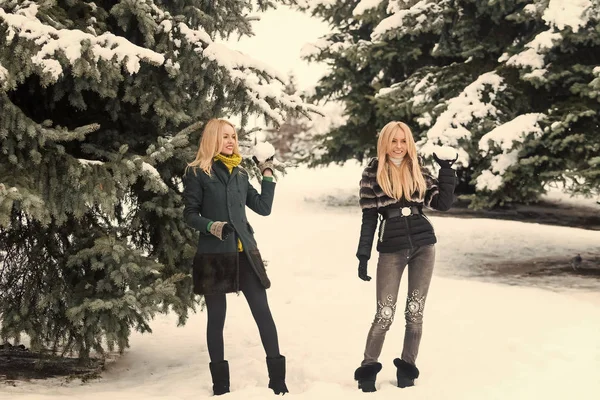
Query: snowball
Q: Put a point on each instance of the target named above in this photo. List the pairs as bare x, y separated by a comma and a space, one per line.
445, 152
263, 150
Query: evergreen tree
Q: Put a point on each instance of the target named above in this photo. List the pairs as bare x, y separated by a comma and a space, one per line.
101, 107
282, 137
514, 84
299, 139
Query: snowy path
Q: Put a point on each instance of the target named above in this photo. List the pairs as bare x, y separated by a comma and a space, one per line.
481, 340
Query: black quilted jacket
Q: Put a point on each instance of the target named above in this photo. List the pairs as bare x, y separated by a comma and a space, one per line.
399, 233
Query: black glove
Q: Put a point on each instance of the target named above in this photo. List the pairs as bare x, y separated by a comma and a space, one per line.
444, 163
264, 165
222, 230
362, 269
227, 230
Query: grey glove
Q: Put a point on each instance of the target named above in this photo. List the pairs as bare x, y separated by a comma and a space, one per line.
264, 165
220, 229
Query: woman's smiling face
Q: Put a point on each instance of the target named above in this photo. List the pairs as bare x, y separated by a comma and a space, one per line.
397, 148
229, 140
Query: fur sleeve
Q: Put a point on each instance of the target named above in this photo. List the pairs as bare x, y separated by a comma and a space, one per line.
368, 204
431, 184
367, 196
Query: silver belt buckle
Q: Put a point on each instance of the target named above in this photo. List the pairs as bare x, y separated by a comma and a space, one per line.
405, 211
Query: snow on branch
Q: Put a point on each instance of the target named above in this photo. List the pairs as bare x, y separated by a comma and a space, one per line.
488, 180
385, 91
508, 137
422, 88
154, 181
310, 5
364, 6
86, 163
313, 49
535, 51
595, 83
165, 147
417, 15
574, 14
3, 74
310, 50
61, 134
107, 46
152, 173
29, 202
233, 59
450, 126
264, 83
260, 80
514, 131
558, 16
196, 37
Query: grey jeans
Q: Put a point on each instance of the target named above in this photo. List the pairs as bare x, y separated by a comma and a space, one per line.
390, 266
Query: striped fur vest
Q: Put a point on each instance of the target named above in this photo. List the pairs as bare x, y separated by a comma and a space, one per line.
397, 231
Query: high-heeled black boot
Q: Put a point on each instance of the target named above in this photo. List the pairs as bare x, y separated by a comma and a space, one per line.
406, 373
220, 377
276, 368
366, 375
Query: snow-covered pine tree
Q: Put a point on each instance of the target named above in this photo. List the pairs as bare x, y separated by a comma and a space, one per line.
283, 136
101, 105
299, 139
514, 84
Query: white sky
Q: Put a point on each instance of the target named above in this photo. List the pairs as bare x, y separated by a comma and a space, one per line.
280, 35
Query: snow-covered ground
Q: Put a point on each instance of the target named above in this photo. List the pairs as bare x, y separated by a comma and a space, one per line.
482, 340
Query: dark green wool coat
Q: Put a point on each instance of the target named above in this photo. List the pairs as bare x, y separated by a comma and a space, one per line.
224, 197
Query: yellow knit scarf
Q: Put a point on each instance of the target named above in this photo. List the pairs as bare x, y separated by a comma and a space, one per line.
231, 162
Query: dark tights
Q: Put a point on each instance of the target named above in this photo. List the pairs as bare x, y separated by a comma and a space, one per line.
256, 295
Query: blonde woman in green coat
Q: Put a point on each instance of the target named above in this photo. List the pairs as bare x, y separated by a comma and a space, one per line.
216, 193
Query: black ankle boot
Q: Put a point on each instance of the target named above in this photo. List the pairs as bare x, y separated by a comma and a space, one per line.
365, 375
406, 373
276, 368
220, 377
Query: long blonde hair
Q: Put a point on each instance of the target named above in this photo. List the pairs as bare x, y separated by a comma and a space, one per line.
406, 180
210, 144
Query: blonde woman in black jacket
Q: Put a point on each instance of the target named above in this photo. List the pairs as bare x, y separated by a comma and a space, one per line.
216, 193
395, 188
